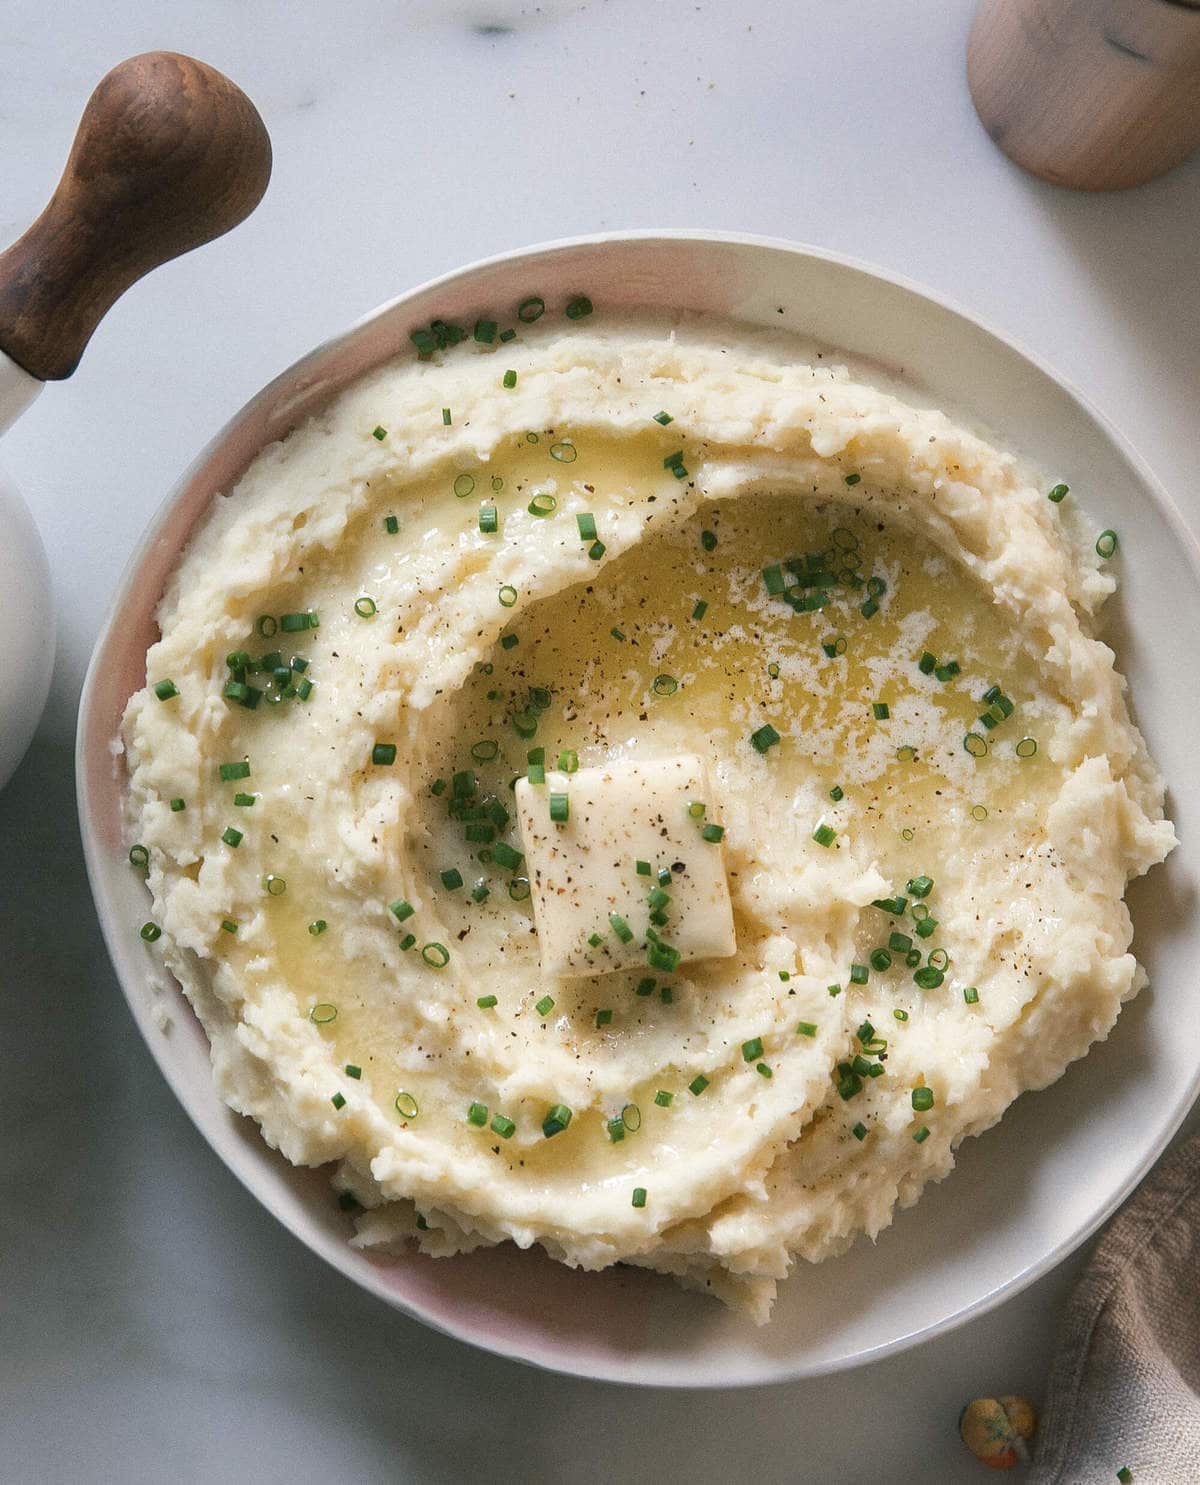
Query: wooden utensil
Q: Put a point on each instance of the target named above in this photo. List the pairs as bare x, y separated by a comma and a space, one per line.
169, 154
1095, 94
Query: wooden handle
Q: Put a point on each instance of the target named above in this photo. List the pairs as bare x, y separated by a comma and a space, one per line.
169, 154
1094, 94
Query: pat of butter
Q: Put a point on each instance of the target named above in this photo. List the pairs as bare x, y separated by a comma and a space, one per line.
583, 872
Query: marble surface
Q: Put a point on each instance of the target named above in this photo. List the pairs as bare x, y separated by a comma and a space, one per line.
156, 1323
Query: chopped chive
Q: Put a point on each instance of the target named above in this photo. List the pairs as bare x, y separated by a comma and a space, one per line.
859, 974
919, 886
531, 309
150, 932
639, 1196
558, 1116
230, 771
379, 432
504, 855
165, 690
317, 927
1058, 493
971, 995
477, 1114
568, 760
508, 596
245, 800
384, 753
352, 1071
698, 1084
507, 335
579, 307
837, 793
853, 479
485, 750
620, 927
899, 943
543, 504
139, 856
752, 1049
587, 526
700, 610
338, 1101
437, 956
391, 525
976, 744
1027, 747
364, 607
564, 451
834, 991
1106, 544
509, 641
603, 1018
664, 418
869, 609
452, 879
509, 379
322, 1013
880, 711
921, 1135
297, 623
275, 886
617, 634
948, 671
480, 892
824, 835
408, 941
596, 551
560, 808
880, 960
765, 737
928, 978
900, 1015
503, 1126
712, 833
922, 1099
545, 1005
485, 331
489, 521
664, 685
232, 837
402, 910
407, 1106
178, 805
446, 417
708, 540
835, 646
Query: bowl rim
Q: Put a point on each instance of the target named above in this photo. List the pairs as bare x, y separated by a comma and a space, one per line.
243, 1166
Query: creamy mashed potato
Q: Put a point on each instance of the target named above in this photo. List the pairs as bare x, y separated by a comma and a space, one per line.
868, 633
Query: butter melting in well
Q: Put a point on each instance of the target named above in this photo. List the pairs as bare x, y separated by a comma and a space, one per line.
592, 905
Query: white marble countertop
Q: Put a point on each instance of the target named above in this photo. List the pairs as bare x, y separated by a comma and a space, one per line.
156, 1323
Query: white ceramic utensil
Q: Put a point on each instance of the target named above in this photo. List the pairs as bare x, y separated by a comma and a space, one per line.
168, 155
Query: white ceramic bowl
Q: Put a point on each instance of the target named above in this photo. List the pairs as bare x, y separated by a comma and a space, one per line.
26, 627
1024, 1194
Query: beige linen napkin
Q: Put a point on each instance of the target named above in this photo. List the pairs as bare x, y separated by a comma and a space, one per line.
1124, 1389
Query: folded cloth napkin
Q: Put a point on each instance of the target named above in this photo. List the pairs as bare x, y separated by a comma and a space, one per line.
1124, 1390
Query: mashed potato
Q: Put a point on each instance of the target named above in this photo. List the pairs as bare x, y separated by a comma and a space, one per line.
581, 554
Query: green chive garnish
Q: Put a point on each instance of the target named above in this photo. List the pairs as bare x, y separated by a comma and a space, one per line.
509, 379
477, 1114
620, 927
752, 1049
379, 432
698, 1084
150, 932
503, 1126
232, 837
853, 479
1106, 544
1027, 747
322, 1013
921, 1135
664, 685
824, 835
976, 744
489, 521
165, 690
407, 1106
708, 540
1058, 493
452, 879
437, 956
139, 856
712, 833
587, 526
531, 309
391, 525
558, 1116
971, 995
765, 737
508, 596
543, 504
879, 710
